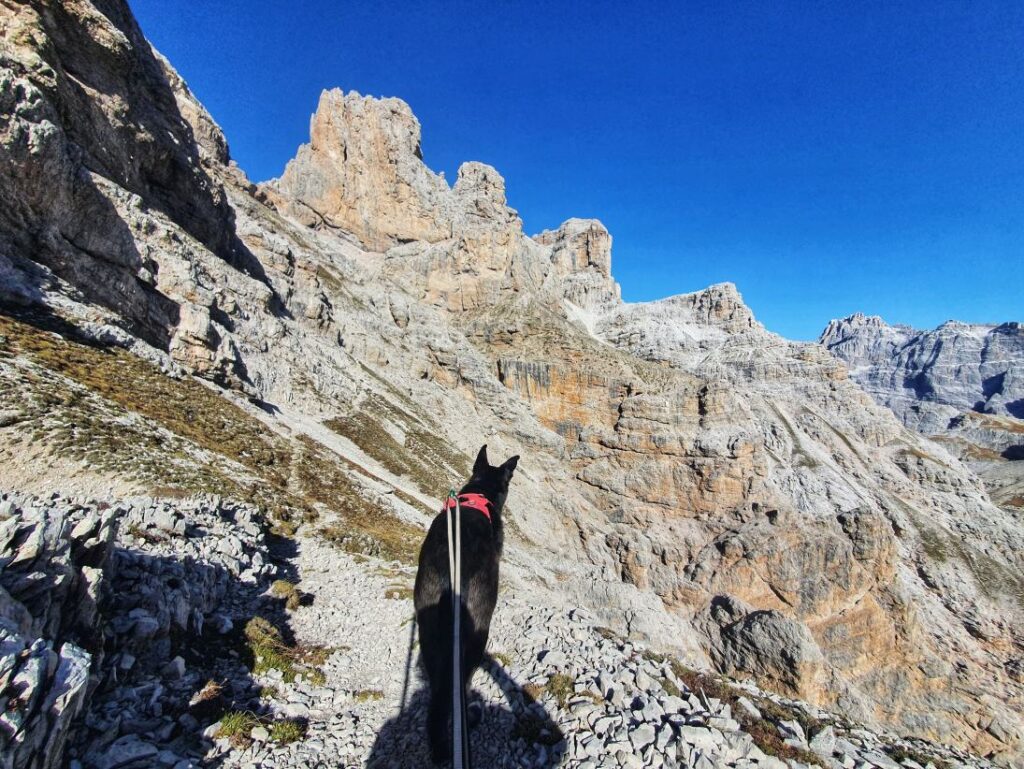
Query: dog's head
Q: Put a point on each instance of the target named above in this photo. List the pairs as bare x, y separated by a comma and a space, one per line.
494, 479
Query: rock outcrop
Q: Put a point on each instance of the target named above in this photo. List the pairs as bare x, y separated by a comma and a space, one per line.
358, 327
52, 565
100, 605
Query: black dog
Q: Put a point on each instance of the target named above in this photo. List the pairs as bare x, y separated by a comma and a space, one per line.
481, 498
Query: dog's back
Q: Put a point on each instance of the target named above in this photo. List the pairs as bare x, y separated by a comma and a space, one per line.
481, 553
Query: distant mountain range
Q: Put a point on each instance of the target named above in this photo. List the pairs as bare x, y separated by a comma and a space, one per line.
961, 383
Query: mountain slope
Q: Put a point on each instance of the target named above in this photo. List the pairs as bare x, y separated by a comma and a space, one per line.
692, 479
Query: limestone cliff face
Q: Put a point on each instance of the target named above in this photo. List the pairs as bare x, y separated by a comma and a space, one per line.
581, 264
86, 105
363, 172
455, 248
695, 480
718, 462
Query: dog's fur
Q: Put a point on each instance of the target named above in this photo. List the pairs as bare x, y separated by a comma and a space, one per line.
481, 552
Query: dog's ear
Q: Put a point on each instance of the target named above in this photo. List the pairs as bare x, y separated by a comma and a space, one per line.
481, 463
510, 465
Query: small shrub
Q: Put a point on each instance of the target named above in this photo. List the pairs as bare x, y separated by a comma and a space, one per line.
533, 691
761, 730
503, 658
268, 651
398, 593
670, 688
209, 703
899, 754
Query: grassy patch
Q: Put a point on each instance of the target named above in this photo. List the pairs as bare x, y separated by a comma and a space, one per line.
368, 695
762, 730
151, 536
670, 688
996, 422
123, 416
183, 406
503, 658
561, 687
776, 712
398, 593
899, 754
291, 594
974, 451
421, 454
363, 527
236, 726
533, 691
267, 650
287, 730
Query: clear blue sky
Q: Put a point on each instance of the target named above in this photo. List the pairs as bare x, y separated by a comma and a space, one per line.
825, 159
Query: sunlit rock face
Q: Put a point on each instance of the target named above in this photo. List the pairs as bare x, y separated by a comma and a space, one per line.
927, 377
362, 172
693, 479
961, 383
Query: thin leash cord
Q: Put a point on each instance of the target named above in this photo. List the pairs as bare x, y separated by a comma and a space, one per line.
408, 662
460, 748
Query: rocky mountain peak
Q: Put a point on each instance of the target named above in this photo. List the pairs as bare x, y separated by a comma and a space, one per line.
580, 256
362, 171
579, 244
857, 320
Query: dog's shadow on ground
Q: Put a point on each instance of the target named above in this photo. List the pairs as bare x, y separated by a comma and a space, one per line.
508, 732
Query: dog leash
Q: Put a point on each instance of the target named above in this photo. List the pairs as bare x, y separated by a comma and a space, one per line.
408, 663
460, 744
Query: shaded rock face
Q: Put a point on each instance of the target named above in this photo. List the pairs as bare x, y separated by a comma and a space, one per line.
92, 128
767, 644
695, 480
98, 603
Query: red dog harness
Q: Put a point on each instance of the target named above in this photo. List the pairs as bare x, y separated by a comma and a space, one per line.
471, 501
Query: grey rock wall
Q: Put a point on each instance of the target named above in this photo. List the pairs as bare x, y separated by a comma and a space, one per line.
52, 562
